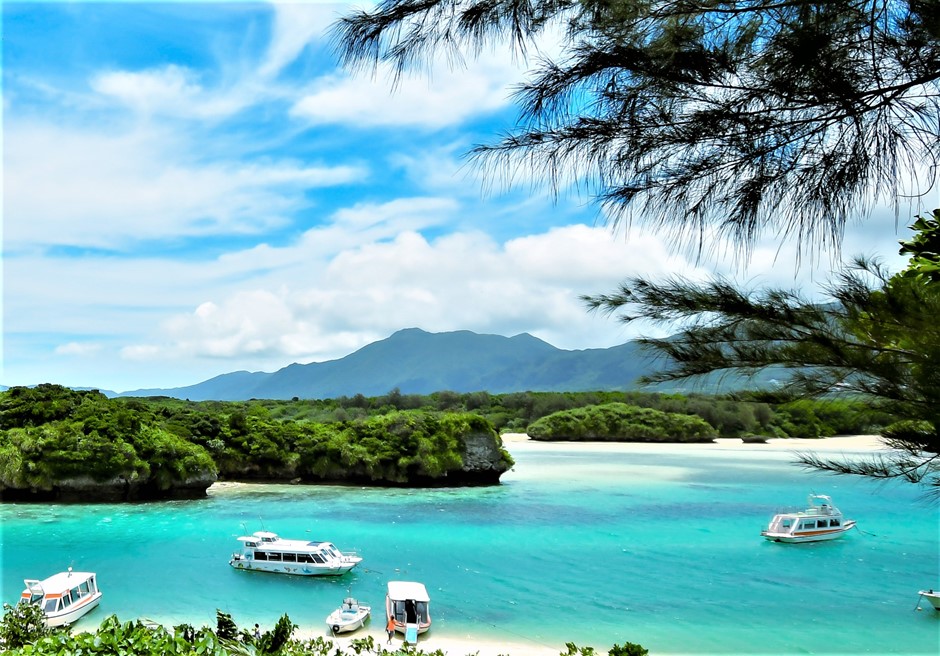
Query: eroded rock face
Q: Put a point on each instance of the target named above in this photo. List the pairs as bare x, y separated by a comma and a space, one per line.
484, 459
86, 489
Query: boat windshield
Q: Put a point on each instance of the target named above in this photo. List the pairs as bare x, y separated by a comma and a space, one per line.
50, 605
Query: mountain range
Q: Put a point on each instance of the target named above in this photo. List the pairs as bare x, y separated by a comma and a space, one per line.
418, 362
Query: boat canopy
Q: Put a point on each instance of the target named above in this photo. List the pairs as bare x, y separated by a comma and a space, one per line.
398, 590
58, 583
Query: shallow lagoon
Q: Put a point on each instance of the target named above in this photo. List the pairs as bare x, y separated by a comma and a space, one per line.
596, 545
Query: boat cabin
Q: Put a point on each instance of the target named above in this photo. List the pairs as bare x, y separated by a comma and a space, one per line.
408, 603
63, 597
819, 521
267, 552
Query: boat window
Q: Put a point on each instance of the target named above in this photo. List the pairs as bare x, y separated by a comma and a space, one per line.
51, 605
822, 523
290, 558
317, 558
66, 601
251, 544
274, 556
304, 558
811, 524
83, 589
787, 523
833, 522
261, 555
76, 593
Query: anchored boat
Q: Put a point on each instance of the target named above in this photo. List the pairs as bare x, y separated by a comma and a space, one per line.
408, 604
266, 552
821, 520
348, 617
931, 596
63, 597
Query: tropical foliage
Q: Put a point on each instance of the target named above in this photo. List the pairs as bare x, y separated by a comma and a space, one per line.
621, 422
51, 437
135, 638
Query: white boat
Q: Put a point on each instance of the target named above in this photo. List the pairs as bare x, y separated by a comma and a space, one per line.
264, 551
932, 597
409, 604
63, 597
819, 521
348, 617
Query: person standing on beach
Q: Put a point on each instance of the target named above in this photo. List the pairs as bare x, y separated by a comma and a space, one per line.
390, 628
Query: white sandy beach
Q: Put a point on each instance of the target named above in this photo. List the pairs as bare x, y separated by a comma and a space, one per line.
450, 645
847, 443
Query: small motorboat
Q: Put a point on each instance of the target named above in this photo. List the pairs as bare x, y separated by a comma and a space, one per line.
348, 617
64, 597
819, 521
931, 596
408, 604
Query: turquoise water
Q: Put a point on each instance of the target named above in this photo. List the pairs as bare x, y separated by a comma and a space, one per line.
580, 544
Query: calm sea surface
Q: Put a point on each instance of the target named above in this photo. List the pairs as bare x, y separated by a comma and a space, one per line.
580, 543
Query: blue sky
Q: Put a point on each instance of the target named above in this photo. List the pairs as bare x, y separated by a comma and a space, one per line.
193, 189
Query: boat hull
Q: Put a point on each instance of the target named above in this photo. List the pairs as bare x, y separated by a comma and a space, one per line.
73, 613
340, 622
932, 597
820, 535
296, 570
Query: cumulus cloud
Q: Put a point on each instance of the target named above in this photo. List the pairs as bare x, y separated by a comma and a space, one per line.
457, 281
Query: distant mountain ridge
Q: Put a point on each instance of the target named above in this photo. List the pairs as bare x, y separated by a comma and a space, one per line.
418, 362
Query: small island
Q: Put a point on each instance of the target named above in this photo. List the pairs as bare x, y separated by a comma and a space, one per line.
59, 444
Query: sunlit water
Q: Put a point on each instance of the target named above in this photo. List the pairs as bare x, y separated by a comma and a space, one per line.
579, 543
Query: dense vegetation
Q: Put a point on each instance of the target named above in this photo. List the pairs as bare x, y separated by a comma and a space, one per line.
159, 447
618, 422
739, 415
22, 633
149, 448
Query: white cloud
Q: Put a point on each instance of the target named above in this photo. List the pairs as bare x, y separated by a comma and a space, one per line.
171, 91
446, 97
103, 190
458, 281
297, 25
78, 349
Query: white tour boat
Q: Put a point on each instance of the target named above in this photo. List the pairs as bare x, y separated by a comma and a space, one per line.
819, 521
63, 597
409, 604
931, 596
348, 617
266, 552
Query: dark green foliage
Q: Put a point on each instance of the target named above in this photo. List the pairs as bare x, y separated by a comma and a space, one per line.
22, 624
225, 626
53, 434
272, 642
137, 639
159, 444
621, 422
628, 649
